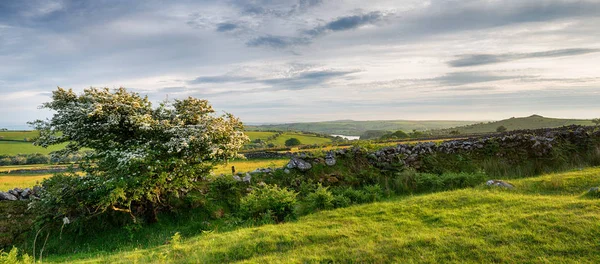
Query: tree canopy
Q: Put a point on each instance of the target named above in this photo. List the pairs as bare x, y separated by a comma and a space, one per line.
140, 155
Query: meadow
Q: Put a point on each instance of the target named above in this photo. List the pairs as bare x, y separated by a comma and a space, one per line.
544, 219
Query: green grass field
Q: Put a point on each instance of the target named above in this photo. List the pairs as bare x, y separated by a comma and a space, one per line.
14, 148
543, 220
18, 135
8, 182
253, 135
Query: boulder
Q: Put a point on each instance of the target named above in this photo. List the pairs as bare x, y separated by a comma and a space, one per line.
500, 183
247, 178
330, 159
299, 164
7, 196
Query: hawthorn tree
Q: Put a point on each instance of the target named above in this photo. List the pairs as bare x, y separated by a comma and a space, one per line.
141, 156
291, 142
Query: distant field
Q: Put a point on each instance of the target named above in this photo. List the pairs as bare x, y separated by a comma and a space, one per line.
249, 165
253, 135
14, 148
8, 182
18, 135
356, 128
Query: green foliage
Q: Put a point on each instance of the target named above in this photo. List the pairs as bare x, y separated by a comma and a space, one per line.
501, 129
224, 191
292, 142
396, 135
374, 134
141, 155
13, 257
321, 199
268, 201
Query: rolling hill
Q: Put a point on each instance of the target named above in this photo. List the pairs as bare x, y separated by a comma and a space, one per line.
516, 123
357, 128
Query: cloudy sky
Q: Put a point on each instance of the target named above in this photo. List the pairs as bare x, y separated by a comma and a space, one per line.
310, 60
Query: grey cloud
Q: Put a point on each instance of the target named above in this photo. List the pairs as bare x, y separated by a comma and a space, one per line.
464, 78
224, 27
346, 23
219, 79
278, 8
484, 59
304, 80
277, 41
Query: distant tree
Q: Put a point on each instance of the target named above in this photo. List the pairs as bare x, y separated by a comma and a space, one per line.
374, 134
292, 142
501, 129
416, 134
596, 121
455, 132
400, 134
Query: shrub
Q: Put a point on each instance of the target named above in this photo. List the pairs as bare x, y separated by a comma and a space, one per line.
373, 193
321, 199
268, 200
12, 257
225, 191
292, 142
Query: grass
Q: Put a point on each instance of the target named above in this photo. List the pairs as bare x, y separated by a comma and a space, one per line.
18, 135
8, 182
305, 139
543, 220
30, 167
249, 165
14, 148
253, 135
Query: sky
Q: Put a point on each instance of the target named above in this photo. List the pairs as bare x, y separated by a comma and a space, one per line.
275, 61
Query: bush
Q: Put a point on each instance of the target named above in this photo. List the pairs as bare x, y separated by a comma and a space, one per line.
12, 257
226, 192
270, 201
292, 142
321, 199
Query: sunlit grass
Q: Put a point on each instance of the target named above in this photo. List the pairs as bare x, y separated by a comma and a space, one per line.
249, 165
543, 220
8, 182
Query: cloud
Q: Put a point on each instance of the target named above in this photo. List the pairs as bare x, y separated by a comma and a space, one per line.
305, 80
219, 79
464, 78
484, 59
346, 23
298, 81
277, 42
224, 27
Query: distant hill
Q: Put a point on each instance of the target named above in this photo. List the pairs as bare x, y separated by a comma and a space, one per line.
516, 123
357, 128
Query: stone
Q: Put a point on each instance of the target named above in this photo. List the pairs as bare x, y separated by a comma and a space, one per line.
299, 164
330, 159
286, 171
26, 193
247, 178
7, 196
237, 178
500, 183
